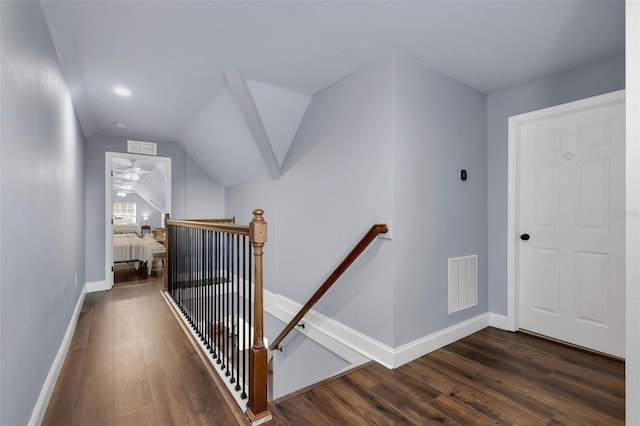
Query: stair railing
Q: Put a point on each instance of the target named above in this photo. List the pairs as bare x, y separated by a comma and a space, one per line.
333, 277
216, 284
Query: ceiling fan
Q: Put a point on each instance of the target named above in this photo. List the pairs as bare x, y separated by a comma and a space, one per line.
132, 173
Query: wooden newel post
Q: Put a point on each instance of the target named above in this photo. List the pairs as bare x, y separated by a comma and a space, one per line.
258, 410
167, 216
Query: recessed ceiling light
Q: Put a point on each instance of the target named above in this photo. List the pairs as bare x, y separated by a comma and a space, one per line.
120, 124
122, 91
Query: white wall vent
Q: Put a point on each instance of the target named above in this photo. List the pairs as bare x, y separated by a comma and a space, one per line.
146, 148
463, 282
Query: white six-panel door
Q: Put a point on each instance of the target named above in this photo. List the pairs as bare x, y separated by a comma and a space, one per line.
571, 206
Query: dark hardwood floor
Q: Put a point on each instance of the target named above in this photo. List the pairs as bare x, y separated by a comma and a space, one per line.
125, 274
131, 363
490, 377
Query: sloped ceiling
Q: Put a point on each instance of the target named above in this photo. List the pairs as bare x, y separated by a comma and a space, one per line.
150, 184
172, 56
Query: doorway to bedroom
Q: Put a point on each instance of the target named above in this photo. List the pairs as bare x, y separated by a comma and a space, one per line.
137, 195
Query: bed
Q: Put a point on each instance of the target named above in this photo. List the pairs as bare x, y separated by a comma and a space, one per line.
126, 228
125, 225
130, 248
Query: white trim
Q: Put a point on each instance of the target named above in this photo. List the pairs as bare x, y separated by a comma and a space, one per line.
108, 187
498, 321
94, 286
632, 244
284, 309
54, 372
417, 348
515, 124
336, 336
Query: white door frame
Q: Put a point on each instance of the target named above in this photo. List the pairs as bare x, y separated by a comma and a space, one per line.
108, 187
513, 199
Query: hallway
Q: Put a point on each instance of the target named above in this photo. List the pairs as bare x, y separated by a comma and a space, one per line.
131, 363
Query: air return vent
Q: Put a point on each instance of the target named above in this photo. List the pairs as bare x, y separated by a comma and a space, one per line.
463, 282
146, 148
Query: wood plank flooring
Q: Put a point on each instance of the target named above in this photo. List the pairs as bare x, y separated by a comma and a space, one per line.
131, 363
125, 274
490, 377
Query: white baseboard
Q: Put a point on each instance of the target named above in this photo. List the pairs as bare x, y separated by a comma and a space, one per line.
498, 321
417, 348
325, 330
50, 383
284, 309
94, 286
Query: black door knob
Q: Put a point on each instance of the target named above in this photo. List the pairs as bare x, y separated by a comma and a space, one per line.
524, 237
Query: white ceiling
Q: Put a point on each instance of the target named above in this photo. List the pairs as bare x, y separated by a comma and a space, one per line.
172, 54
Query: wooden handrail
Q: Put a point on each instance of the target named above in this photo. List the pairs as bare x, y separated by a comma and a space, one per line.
340, 269
231, 220
212, 226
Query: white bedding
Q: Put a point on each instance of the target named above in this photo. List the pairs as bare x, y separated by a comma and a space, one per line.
126, 228
131, 248
154, 246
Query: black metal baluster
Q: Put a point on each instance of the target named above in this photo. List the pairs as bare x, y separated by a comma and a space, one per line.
224, 304
205, 278
187, 288
229, 317
211, 289
174, 253
189, 277
200, 253
217, 298
181, 261
180, 266
178, 262
198, 270
194, 278
173, 256
249, 303
234, 312
243, 395
237, 316
191, 287
208, 288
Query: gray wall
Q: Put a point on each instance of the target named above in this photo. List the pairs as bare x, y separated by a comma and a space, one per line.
205, 200
41, 208
291, 366
590, 80
386, 142
336, 185
438, 129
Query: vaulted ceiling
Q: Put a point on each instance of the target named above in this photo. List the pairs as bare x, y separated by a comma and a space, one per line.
172, 55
